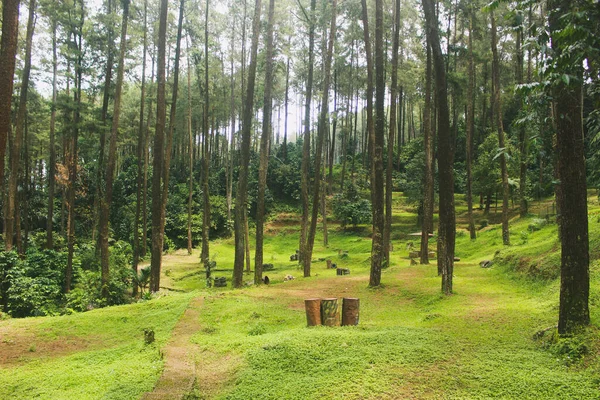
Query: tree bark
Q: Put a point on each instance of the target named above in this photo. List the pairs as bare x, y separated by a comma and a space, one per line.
141, 145
190, 155
389, 187
77, 42
373, 133
313, 312
350, 311
447, 219
470, 121
103, 128
305, 178
428, 145
52, 144
321, 130
523, 139
264, 149
17, 140
572, 198
159, 151
500, 128
8, 52
241, 199
205, 255
112, 154
287, 96
330, 311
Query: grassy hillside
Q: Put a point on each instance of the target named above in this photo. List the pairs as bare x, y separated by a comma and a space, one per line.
411, 342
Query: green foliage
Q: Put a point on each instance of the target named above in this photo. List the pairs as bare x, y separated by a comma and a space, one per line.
35, 284
350, 208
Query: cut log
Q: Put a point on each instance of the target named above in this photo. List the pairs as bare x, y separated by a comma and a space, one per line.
414, 254
342, 271
350, 311
328, 264
313, 311
330, 312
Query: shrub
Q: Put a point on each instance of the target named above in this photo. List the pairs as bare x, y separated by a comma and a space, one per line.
35, 284
350, 208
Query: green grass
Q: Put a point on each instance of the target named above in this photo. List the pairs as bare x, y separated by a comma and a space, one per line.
412, 342
107, 359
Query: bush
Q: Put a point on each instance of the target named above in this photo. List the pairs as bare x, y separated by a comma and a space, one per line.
350, 208
537, 224
36, 284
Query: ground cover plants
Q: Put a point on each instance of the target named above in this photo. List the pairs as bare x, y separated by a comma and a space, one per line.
493, 338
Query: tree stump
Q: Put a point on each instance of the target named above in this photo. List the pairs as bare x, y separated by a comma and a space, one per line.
148, 335
330, 312
350, 311
329, 264
342, 271
313, 311
220, 281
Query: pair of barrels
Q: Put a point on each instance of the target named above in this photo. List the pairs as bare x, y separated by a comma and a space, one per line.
327, 312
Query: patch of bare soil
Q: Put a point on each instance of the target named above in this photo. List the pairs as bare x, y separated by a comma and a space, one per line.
18, 346
343, 286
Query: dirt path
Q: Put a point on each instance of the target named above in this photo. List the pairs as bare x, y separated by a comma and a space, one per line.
178, 377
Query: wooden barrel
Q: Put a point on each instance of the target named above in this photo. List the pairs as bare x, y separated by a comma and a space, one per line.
330, 312
313, 311
350, 311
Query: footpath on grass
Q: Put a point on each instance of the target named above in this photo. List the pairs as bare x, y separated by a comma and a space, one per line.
178, 377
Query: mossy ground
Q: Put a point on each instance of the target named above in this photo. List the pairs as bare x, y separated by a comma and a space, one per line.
411, 342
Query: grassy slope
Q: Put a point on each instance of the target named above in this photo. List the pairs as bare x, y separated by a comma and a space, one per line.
97, 354
411, 342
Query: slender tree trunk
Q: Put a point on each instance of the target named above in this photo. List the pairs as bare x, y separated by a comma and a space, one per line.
241, 200
232, 148
333, 134
159, 152
321, 129
73, 153
103, 128
470, 121
110, 165
264, 149
306, 145
287, 96
52, 144
146, 166
572, 199
8, 51
428, 144
499, 127
17, 140
191, 155
447, 221
324, 213
376, 249
205, 256
166, 169
141, 145
389, 187
523, 139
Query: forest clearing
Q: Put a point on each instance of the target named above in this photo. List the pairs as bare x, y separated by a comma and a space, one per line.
253, 343
192, 190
